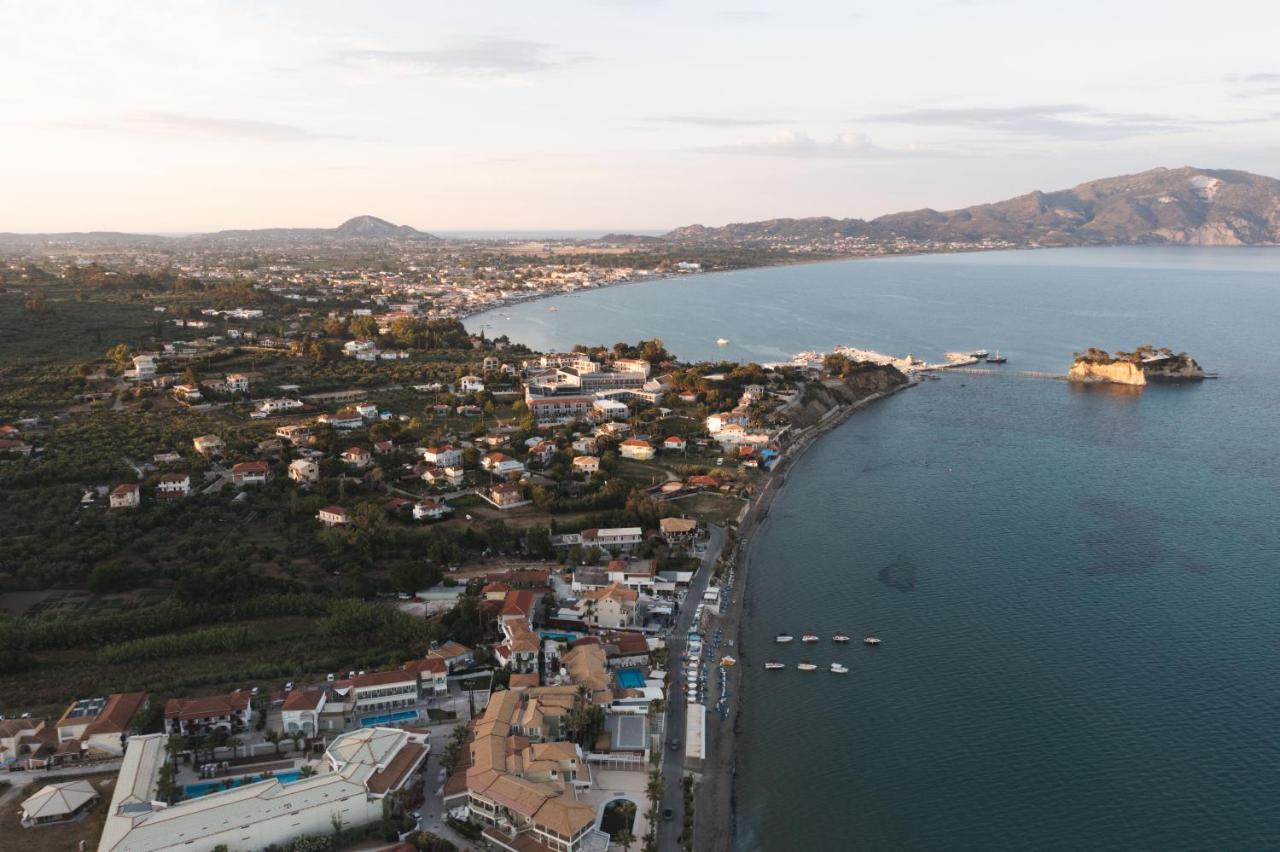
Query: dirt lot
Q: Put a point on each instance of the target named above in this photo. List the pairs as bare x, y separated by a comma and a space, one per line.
55, 838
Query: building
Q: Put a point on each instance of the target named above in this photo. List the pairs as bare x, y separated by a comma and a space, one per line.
357, 457
609, 409
232, 712
304, 471
431, 510
208, 445
559, 409
470, 384
187, 393
278, 405
295, 433
236, 383
586, 465
523, 791
613, 607
455, 655
588, 445
58, 803
126, 496
717, 422
382, 691
144, 367
446, 455
100, 725
333, 516
433, 675
674, 444
542, 453
634, 448
501, 464
342, 421
250, 473
360, 769
302, 711
504, 495
620, 538
678, 532
173, 486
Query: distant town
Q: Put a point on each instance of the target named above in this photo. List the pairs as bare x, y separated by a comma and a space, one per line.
301, 557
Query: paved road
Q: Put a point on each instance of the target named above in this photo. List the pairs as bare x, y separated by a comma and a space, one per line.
431, 814
673, 762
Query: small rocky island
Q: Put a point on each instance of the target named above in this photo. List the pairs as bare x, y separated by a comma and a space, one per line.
1144, 364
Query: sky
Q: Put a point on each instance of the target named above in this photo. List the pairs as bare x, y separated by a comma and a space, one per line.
194, 115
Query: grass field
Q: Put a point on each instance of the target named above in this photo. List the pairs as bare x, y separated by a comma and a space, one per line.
712, 508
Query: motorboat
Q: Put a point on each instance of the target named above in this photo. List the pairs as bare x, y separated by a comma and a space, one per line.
810, 638
552, 309
871, 640
722, 341
770, 665
840, 637
727, 661
784, 637
996, 358
806, 667
980, 354
836, 668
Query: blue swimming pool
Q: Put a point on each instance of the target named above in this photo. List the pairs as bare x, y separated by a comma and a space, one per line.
388, 718
204, 788
559, 637
630, 678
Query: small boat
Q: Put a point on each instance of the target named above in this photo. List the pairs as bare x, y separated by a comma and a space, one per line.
774, 664
980, 354
809, 638
871, 640
806, 667
996, 358
722, 341
783, 637
728, 661
553, 309
836, 668
840, 637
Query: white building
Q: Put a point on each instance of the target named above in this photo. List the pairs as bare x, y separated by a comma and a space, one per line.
144, 367
359, 770
275, 406
443, 456
236, 383
304, 471
431, 510
470, 384
384, 691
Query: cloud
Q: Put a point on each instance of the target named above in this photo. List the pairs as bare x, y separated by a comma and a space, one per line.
717, 121
197, 125
486, 57
1255, 85
798, 145
1058, 121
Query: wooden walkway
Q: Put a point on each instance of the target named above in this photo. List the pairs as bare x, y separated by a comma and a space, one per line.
989, 371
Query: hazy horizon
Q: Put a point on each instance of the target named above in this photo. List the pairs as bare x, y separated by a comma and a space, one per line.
201, 116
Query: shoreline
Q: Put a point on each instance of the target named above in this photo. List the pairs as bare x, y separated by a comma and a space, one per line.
715, 808
664, 276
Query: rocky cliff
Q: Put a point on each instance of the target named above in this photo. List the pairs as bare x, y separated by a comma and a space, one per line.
820, 397
1140, 367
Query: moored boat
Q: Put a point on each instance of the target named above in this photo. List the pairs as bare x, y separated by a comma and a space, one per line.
840, 637
774, 664
871, 640
836, 668
809, 637
806, 667
727, 661
996, 358
783, 637
721, 341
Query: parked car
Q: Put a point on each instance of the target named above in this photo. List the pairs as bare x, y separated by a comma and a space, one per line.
668, 814
675, 743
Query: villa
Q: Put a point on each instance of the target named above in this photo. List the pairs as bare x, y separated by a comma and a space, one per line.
230, 712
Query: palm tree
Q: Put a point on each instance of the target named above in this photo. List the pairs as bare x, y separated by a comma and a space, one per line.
273, 737
307, 771
626, 810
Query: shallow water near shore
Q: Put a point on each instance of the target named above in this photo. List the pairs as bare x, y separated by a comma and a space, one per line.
1077, 588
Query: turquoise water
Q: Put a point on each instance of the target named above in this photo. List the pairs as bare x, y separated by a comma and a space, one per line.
1077, 588
388, 718
194, 791
630, 678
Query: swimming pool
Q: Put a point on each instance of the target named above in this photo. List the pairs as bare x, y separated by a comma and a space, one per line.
388, 718
560, 637
630, 678
204, 788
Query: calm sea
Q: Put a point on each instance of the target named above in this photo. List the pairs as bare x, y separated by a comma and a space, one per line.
1078, 589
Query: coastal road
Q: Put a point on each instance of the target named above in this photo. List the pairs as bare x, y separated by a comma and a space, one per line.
673, 761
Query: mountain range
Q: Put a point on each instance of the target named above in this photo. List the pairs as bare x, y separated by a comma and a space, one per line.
1187, 205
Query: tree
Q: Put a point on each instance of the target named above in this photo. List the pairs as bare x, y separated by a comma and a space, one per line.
307, 771
627, 811
118, 355
273, 737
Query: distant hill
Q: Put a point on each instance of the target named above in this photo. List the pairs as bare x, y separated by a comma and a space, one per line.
358, 228
1187, 205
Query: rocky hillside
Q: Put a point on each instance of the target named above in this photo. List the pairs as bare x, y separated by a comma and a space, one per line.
819, 397
1187, 205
